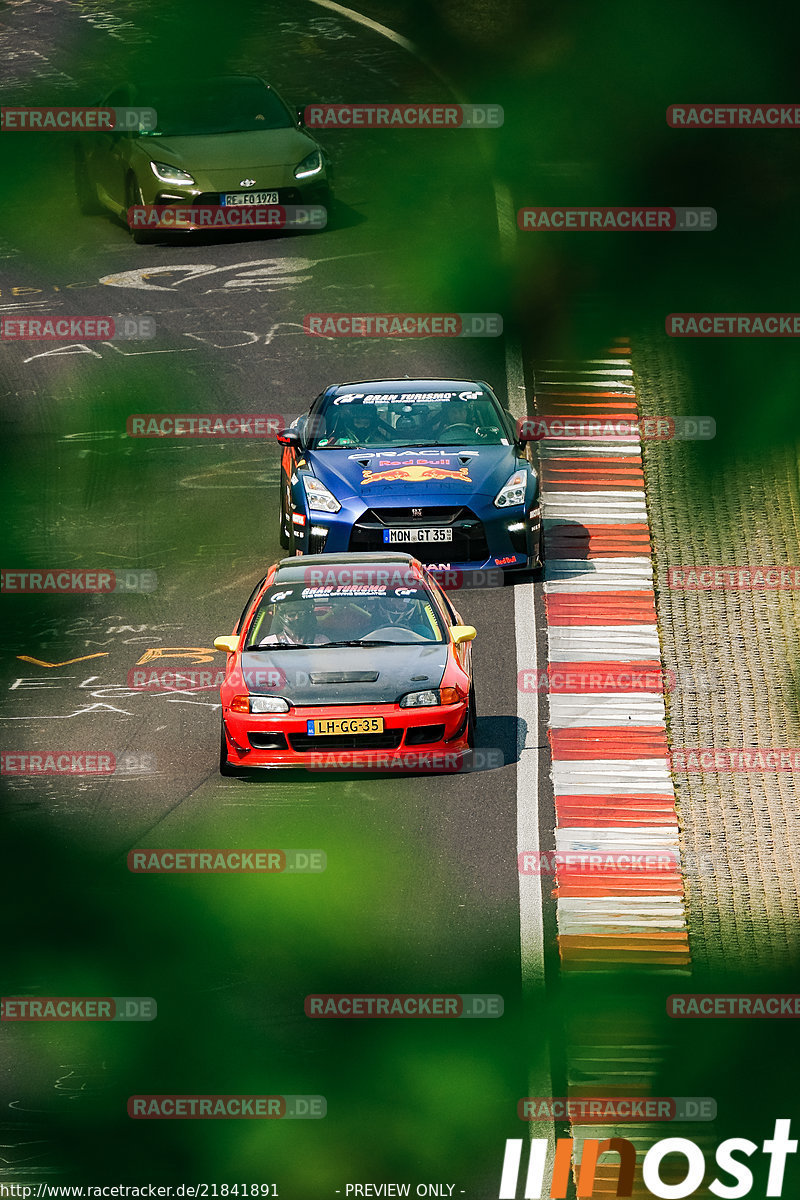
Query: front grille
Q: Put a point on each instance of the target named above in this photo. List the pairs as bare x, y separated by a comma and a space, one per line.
388, 740
469, 539
261, 740
422, 735
410, 516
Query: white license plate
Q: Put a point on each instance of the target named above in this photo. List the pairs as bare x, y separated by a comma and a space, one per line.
392, 536
250, 198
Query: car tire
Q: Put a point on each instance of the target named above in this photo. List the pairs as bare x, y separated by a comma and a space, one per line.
472, 719
85, 190
225, 768
133, 196
283, 533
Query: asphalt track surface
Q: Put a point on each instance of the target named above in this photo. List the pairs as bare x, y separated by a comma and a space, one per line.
421, 892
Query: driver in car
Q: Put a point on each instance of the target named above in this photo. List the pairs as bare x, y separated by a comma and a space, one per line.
358, 425
401, 612
294, 624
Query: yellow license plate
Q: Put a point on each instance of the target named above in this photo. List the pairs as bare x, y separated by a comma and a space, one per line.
325, 727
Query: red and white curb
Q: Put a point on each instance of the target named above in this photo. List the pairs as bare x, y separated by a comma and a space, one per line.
611, 770
613, 790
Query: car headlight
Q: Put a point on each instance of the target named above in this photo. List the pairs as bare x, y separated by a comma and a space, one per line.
512, 493
312, 164
169, 174
430, 697
268, 704
318, 497
259, 704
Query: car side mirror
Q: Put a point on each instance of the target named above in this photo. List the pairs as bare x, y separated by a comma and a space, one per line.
463, 633
529, 429
229, 644
288, 437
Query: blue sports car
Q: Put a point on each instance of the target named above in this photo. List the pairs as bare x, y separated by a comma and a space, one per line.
431, 467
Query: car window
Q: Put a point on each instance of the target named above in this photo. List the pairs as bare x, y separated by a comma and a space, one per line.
246, 608
293, 614
216, 106
357, 420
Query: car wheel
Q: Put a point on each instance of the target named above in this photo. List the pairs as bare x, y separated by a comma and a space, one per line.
88, 203
284, 534
472, 719
225, 768
134, 197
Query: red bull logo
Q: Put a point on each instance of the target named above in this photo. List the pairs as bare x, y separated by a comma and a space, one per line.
414, 474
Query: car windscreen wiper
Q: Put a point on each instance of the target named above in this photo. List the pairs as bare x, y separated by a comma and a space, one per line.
282, 646
361, 642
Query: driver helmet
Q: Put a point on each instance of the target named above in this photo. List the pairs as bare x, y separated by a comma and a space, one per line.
294, 618
394, 609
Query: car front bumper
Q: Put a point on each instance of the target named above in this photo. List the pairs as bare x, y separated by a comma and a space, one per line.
413, 739
481, 540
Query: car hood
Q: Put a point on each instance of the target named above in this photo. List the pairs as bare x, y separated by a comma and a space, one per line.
345, 674
426, 472
247, 150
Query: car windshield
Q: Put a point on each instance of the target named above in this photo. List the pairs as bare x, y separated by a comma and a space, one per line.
224, 105
354, 420
298, 616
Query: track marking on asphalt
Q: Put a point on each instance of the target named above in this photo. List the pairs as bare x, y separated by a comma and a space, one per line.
270, 270
39, 662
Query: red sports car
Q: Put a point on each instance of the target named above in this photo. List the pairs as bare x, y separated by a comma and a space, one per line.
353, 661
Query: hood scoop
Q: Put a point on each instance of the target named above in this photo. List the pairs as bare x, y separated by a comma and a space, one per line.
343, 676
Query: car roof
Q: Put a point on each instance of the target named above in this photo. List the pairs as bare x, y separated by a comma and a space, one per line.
295, 570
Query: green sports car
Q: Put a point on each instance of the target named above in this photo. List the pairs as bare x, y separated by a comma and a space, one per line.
226, 140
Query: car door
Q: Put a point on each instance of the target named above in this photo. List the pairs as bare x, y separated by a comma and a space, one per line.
110, 154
